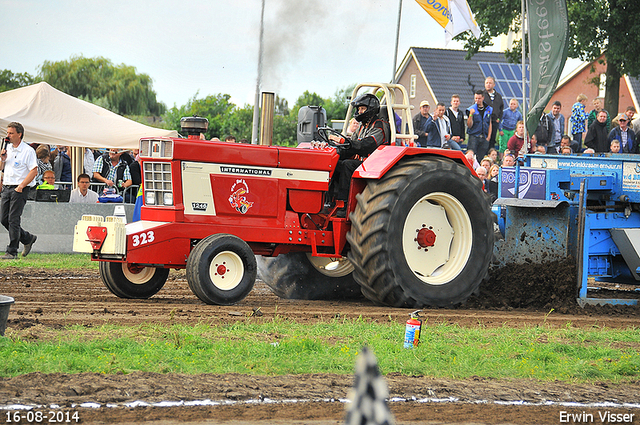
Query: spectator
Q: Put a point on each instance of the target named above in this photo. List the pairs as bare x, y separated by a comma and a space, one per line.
479, 125
510, 119
533, 144
352, 127
492, 184
456, 119
597, 135
629, 112
112, 170
566, 150
486, 163
481, 172
614, 147
541, 149
82, 194
62, 166
494, 100
508, 160
493, 154
215, 139
558, 124
624, 135
245, 141
544, 131
439, 130
578, 119
589, 150
43, 153
230, 139
566, 142
49, 182
517, 143
471, 157
89, 160
593, 115
20, 167
420, 122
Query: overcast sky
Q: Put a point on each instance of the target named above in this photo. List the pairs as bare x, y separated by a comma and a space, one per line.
211, 46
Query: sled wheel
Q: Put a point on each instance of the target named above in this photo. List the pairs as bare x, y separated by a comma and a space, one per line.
132, 281
422, 235
298, 275
221, 269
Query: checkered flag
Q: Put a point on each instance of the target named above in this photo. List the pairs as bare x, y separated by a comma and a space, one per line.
369, 394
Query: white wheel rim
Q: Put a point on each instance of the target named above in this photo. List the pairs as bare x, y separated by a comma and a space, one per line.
226, 270
138, 277
337, 266
437, 238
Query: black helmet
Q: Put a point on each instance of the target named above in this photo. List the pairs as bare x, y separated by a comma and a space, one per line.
371, 102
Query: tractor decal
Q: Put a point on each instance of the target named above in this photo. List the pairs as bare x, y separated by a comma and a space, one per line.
238, 200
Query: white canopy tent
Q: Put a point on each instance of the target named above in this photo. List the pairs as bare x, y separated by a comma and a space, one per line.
56, 118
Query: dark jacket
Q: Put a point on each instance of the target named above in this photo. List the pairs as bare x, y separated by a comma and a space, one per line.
457, 124
497, 105
106, 166
597, 137
420, 123
434, 138
367, 138
630, 147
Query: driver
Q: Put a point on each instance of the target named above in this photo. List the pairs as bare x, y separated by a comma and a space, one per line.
372, 132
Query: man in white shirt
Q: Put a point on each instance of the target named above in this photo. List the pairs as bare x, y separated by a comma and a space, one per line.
20, 165
82, 194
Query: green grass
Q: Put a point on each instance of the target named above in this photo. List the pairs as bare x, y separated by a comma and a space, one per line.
53, 261
285, 347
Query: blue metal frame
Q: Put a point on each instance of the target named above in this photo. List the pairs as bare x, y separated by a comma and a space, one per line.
546, 182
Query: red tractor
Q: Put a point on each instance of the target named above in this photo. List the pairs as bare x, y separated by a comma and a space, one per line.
418, 230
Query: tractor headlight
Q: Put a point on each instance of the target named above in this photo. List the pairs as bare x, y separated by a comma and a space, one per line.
168, 198
150, 198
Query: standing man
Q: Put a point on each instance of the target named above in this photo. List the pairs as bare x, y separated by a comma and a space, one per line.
479, 125
558, 124
494, 100
20, 165
439, 130
624, 135
456, 118
420, 122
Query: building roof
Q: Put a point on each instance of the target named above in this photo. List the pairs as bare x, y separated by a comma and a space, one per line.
447, 72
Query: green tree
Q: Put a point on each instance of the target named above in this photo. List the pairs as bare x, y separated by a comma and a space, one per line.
10, 81
117, 87
337, 106
596, 27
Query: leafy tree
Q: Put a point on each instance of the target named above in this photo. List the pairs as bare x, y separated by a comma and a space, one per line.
118, 87
10, 81
337, 106
596, 27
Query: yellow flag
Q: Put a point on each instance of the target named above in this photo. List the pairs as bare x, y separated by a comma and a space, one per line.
454, 16
438, 9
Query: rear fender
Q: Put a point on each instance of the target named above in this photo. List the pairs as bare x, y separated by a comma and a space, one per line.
385, 157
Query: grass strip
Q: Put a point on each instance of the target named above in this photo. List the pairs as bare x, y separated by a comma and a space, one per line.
53, 261
284, 347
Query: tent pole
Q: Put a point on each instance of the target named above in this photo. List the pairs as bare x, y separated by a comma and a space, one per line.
524, 75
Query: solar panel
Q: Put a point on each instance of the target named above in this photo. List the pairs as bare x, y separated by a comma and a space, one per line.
508, 78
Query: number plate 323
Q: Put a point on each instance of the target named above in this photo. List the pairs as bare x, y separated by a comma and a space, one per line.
142, 238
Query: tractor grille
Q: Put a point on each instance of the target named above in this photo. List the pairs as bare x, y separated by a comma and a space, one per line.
158, 189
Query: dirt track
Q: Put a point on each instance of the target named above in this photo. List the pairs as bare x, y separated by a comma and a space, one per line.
45, 300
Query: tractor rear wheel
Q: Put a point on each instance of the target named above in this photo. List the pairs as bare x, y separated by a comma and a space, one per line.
221, 269
300, 276
422, 235
130, 281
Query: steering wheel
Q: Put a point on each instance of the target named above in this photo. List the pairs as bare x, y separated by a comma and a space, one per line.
325, 132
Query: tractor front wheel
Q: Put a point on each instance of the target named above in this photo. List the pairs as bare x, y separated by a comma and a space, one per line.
422, 235
131, 281
221, 269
